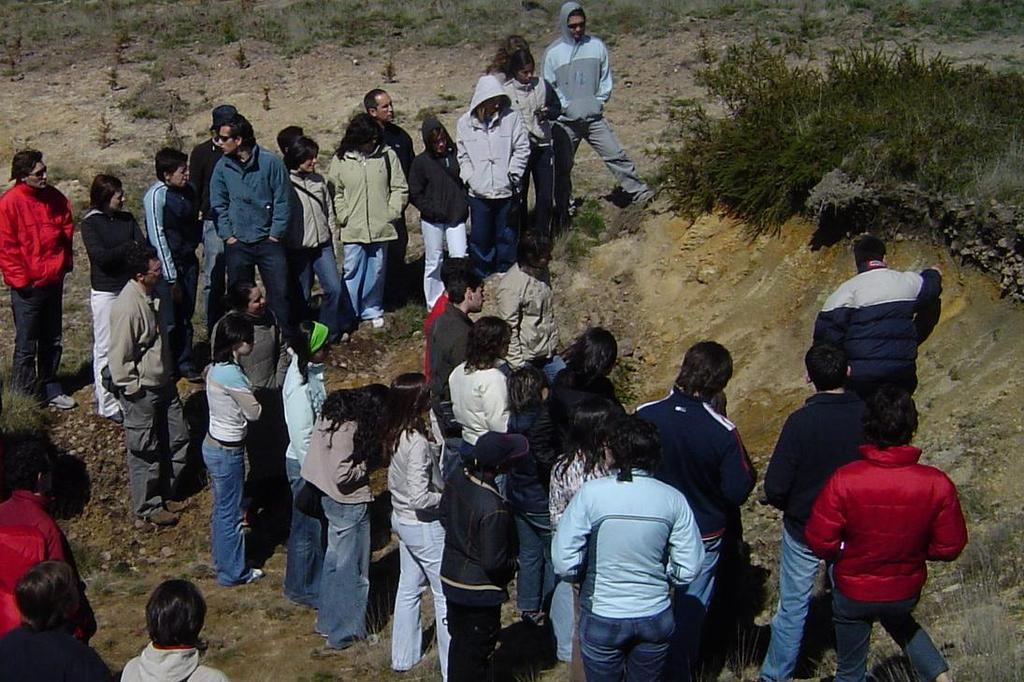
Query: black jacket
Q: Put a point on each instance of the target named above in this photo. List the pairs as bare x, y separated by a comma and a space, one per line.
400, 142
566, 395
435, 187
817, 439
480, 549
51, 656
106, 238
529, 479
201, 161
448, 337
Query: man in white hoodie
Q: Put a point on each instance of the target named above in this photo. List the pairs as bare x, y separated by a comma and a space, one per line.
175, 614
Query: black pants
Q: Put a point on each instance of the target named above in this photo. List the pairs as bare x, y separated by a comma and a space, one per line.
540, 166
38, 313
474, 632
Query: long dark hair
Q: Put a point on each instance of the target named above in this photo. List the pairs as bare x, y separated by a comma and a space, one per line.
231, 331
103, 189
517, 61
361, 129
408, 400
363, 406
299, 343
591, 356
237, 297
525, 389
487, 342
588, 433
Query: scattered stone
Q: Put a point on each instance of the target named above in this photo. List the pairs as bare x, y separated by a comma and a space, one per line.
166, 551
106, 556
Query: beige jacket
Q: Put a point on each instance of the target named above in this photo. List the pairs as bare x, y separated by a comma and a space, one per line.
140, 354
312, 217
330, 467
366, 202
414, 478
525, 303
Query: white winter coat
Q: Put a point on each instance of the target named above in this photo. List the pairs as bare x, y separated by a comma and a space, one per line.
493, 154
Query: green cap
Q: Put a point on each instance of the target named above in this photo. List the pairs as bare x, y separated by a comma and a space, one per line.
318, 337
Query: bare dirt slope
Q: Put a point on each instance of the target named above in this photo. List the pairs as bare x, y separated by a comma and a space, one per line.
659, 290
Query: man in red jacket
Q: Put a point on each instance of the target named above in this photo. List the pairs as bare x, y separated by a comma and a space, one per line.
880, 519
35, 255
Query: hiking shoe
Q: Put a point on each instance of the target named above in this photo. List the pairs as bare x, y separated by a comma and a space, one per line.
377, 322
254, 575
643, 198
162, 518
176, 506
62, 402
117, 417
534, 619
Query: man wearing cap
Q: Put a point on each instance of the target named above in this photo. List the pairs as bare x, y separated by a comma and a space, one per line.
201, 162
479, 556
35, 255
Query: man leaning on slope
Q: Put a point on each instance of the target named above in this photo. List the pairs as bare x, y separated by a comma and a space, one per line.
879, 317
577, 65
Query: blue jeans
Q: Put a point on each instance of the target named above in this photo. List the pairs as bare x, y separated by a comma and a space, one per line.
213, 274
492, 240
690, 606
345, 581
563, 619
536, 579
365, 270
853, 620
178, 316
226, 466
335, 308
625, 648
242, 260
541, 166
305, 559
798, 567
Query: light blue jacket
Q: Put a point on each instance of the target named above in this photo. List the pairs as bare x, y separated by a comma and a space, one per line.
631, 541
253, 201
302, 403
579, 71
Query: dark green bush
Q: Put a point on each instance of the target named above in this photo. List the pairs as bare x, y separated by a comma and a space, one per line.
884, 116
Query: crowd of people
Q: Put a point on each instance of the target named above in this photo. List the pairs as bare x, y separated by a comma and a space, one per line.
510, 457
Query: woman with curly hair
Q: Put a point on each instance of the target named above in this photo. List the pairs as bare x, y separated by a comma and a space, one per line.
344, 444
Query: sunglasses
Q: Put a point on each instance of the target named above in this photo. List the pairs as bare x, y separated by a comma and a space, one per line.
41, 173
223, 138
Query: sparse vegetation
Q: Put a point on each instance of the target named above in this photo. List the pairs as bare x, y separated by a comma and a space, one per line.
103, 132
886, 116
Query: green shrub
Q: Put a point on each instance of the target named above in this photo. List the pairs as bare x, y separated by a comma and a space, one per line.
886, 116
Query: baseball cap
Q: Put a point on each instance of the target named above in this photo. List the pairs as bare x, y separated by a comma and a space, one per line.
493, 448
222, 115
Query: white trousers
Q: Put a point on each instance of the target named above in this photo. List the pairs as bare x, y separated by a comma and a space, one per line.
434, 238
101, 302
419, 545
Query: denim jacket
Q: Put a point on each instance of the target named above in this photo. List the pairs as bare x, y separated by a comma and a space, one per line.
252, 201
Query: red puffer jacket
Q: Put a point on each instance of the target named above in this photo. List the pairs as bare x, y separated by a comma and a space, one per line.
881, 518
35, 236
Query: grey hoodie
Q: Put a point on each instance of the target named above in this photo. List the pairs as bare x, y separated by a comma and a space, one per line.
579, 71
169, 665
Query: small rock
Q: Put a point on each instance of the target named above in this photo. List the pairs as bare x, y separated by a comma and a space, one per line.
105, 556
166, 551
627, 347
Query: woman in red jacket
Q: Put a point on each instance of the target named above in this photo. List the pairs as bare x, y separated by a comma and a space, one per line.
878, 520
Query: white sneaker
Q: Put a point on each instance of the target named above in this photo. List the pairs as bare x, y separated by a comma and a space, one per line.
62, 402
254, 575
377, 322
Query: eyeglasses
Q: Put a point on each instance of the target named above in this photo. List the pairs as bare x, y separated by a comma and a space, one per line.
223, 138
41, 173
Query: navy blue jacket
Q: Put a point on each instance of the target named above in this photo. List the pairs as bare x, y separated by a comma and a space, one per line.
50, 656
529, 479
703, 457
871, 316
817, 439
